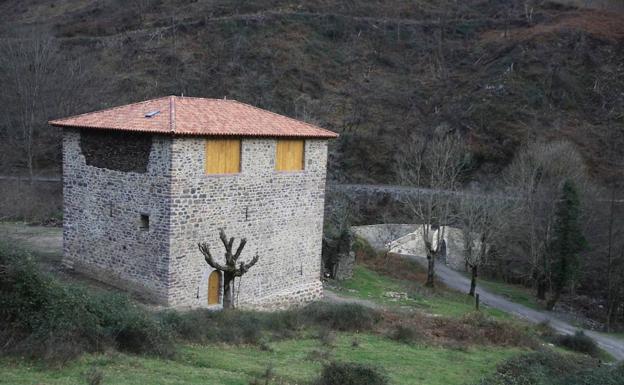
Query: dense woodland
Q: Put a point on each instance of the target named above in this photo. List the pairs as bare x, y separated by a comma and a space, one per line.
532, 89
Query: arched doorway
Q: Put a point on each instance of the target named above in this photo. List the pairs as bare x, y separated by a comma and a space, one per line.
214, 285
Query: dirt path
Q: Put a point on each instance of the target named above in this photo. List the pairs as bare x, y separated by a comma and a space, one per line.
457, 281
38, 239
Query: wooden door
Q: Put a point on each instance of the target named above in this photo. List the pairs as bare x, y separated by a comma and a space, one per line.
214, 284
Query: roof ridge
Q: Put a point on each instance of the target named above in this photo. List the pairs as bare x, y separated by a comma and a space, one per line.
172, 113
199, 97
104, 110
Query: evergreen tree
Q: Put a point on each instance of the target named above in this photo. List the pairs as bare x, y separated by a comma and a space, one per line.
568, 241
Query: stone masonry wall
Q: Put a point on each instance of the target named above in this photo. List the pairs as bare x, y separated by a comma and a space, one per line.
280, 214
102, 234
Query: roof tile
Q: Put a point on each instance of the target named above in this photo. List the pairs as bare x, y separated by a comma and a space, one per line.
195, 116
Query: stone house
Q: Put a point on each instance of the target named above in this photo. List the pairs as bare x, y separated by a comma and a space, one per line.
144, 183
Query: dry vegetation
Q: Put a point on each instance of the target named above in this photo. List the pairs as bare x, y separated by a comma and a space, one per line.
498, 72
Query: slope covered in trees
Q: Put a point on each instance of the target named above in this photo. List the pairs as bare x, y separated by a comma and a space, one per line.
499, 72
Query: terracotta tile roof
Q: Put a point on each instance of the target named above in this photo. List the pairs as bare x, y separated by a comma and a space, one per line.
179, 115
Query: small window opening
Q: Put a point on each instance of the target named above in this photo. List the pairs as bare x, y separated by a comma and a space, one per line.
144, 222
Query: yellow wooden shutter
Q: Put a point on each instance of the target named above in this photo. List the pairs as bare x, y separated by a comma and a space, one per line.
289, 155
222, 156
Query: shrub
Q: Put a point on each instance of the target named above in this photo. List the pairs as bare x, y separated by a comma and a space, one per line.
579, 342
231, 326
603, 375
250, 327
550, 368
406, 334
342, 317
44, 318
363, 249
336, 373
326, 337
94, 376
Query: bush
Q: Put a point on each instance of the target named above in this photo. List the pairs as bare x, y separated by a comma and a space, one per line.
341, 317
94, 376
250, 327
336, 373
603, 375
42, 318
579, 342
550, 368
406, 334
231, 326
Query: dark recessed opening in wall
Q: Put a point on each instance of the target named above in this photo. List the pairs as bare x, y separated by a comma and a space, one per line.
120, 151
144, 222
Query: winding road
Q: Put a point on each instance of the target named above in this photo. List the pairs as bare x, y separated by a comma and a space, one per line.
457, 281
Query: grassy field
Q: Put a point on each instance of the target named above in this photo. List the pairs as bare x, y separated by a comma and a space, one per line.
449, 352
515, 293
370, 285
292, 362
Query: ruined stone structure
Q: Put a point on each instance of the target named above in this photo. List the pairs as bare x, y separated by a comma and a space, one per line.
144, 183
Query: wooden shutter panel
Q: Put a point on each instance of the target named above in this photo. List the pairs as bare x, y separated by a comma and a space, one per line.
222, 156
289, 155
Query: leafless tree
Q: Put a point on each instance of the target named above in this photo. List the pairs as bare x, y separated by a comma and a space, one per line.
480, 220
230, 269
38, 83
432, 166
535, 179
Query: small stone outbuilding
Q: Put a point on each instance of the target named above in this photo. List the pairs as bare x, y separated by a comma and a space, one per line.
144, 183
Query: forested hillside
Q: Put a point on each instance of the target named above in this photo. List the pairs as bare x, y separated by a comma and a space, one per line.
500, 72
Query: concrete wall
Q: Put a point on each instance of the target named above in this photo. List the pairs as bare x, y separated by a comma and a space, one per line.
101, 219
280, 214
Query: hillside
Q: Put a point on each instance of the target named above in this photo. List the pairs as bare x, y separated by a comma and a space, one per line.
501, 72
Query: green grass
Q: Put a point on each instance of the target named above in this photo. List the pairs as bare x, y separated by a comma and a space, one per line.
292, 362
515, 293
370, 285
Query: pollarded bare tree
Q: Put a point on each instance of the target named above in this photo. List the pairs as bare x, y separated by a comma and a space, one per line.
230, 269
432, 166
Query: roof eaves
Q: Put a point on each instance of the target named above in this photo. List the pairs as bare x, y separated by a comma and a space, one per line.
58, 122
328, 132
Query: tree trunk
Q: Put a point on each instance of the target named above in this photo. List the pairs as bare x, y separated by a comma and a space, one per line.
430, 269
473, 280
228, 283
541, 287
552, 301
610, 260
